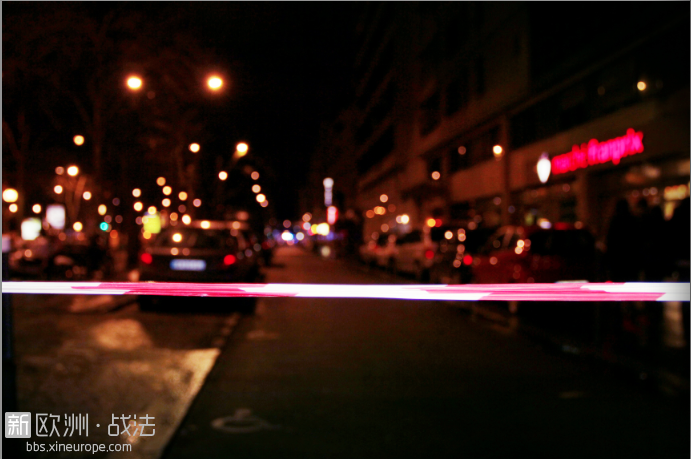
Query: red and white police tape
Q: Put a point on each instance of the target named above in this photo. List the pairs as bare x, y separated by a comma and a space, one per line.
567, 291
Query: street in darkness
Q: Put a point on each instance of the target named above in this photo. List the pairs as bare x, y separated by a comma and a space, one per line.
377, 378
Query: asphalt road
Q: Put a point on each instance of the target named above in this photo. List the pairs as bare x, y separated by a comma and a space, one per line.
312, 378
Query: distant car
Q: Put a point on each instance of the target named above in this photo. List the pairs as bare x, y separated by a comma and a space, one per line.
516, 254
454, 258
214, 253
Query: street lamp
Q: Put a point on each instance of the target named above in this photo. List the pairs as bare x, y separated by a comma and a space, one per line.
241, 149
10, 195
134, 83
223, 175
194, 147
78, 140
214, 82
72, 171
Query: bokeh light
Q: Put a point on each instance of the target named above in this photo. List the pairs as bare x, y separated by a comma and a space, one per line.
10, 195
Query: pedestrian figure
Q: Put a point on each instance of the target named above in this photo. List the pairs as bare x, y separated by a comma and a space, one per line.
623, 243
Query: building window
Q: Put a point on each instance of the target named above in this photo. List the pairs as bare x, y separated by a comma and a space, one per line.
377, 152
430, 114
433, 165
458, 158
480, 86
457, 93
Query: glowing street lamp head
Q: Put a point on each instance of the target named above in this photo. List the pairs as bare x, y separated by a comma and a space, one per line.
72, 171
78, 140
256, 188
36, 208
78, 226
134, 83
136, 192
167, 190
86, 195
255, 175
183, 196
10, 195
102, 209
160, 181
328, 182
241, 149
544, 168
214, 82
57, 189
497, 150
261, 198
194, 147
223, 175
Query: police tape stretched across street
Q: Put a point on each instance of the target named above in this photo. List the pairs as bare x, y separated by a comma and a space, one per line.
566, 291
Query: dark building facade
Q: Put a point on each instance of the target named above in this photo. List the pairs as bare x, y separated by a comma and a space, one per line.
457, 102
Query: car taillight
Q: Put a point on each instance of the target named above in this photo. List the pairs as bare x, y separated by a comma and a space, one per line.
467, 260
429, 254
147, 258
229, 260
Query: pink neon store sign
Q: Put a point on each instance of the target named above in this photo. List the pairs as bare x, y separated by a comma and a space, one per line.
594, 152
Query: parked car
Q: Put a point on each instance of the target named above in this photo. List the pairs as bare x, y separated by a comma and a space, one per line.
415, 251
454, 258
196, 253
52, 259
375, 253
534, 254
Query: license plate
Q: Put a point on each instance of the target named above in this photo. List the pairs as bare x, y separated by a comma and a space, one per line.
187, 265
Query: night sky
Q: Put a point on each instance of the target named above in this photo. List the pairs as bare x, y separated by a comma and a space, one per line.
288, 68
